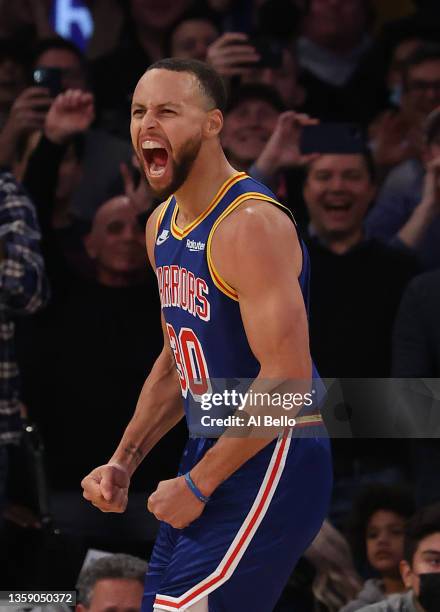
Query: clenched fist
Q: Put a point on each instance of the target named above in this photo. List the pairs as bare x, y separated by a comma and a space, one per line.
106, 487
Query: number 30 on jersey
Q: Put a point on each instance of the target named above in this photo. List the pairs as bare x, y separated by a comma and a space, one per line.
190, 362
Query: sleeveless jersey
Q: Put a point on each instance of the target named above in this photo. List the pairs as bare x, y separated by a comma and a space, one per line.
201, 310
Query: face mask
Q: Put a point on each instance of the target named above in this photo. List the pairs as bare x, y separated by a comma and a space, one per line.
396, 95
429, 597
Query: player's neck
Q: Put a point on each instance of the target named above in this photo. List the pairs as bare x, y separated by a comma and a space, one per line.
209, 172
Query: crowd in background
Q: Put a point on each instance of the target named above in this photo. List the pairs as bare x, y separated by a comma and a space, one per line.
79, 307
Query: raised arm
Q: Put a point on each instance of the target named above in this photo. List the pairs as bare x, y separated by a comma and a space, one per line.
158, 409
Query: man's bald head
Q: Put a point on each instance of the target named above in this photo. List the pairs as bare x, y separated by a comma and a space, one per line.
116, 242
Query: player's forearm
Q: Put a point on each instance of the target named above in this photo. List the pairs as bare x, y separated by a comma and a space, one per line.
158, 409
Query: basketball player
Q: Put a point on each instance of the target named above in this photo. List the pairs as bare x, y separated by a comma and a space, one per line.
232, 277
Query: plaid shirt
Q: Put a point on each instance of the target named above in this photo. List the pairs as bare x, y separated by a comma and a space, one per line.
23, 290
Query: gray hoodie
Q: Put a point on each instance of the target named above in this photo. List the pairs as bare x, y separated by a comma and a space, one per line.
372, 592
401, 602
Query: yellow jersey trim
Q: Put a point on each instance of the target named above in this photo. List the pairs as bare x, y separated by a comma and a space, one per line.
161, 215
179, 233
309, 419
217, 279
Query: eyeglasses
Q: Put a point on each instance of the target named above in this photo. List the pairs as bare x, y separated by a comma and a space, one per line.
423, 87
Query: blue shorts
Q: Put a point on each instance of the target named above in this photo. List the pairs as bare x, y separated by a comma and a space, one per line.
241, 551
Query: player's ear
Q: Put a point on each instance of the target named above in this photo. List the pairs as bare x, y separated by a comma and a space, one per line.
214, 123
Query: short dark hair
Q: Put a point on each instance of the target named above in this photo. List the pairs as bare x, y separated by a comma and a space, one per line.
119, 566
198, 13
57, 42
373, 498
366, 155
210, 82
256, 91
424, 53
424, 523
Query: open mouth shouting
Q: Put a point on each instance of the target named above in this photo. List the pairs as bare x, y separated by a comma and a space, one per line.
155, 156
337, 205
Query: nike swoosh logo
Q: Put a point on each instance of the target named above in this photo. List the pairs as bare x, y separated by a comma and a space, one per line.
164, 236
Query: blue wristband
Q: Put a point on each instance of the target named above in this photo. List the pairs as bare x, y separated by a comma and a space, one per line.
189, 481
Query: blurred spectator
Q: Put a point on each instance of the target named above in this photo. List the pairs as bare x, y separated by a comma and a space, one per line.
336, 580
284, 78
192, 35
59, 53
114, 582
143, 41
234, 56
25, 21
357, 282
250, 120
339, 28
342, 81
356, 287
421, 83
23, 290
419, 568
264, 141
116, 243
378, 525
96, 176
23, 108
54, 172
416, 346
400, 54
393, 137
416, 354
407, 208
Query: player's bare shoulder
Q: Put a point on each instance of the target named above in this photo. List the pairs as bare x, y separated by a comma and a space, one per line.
151, 229
254, 230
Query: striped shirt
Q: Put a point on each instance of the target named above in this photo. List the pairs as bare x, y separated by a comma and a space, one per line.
23, 290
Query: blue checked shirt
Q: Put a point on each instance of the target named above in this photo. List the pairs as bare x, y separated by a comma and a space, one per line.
23, 290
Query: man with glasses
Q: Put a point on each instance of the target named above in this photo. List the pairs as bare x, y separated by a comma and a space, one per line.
408, 205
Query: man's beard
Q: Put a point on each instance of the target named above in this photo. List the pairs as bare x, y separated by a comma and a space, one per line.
180, 169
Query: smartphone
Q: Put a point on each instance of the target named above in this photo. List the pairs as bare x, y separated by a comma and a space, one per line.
50, 78
332, 138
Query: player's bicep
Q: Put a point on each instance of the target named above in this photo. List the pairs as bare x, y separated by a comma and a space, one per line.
276, 327
263, 267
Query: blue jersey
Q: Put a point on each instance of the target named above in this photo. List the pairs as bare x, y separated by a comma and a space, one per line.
201, 309
239, 553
